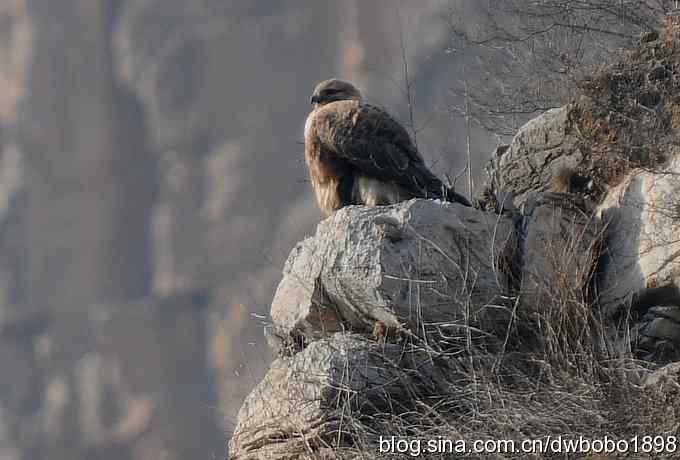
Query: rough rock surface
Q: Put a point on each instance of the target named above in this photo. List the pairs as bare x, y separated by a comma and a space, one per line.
641, 263
667, 375
416, 267
415, 264
539, 151
304, 401
559, 247
564, 243
419, 265
659, 334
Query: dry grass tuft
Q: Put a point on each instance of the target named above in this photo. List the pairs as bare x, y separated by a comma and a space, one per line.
628, 112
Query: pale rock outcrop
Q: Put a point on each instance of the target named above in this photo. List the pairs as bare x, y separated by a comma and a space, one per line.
667, 375
419, 266
413, 265
539, 151
641, 261
559, 247
305, 400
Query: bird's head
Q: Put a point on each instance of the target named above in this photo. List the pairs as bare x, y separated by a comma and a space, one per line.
334, 90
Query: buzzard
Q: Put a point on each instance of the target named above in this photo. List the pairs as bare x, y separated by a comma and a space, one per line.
357, 153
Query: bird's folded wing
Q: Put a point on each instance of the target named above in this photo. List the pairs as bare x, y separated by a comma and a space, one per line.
372, 141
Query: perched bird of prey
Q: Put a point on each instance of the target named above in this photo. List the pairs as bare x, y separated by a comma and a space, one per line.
357, 153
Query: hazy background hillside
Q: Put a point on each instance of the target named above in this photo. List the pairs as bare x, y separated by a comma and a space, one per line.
152, 183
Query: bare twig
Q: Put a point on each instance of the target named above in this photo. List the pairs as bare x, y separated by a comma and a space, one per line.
407, 81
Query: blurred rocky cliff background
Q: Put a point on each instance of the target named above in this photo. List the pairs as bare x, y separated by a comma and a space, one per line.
152, 183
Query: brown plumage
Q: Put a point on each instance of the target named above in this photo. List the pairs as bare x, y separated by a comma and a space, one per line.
358, 154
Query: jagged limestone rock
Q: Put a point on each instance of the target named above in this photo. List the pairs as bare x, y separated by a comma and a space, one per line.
540, 150
559, 246
413, 264
310, 400
641, 261
667, 375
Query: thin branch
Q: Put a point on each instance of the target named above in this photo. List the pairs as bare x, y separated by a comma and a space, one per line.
467, 127
407, 81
